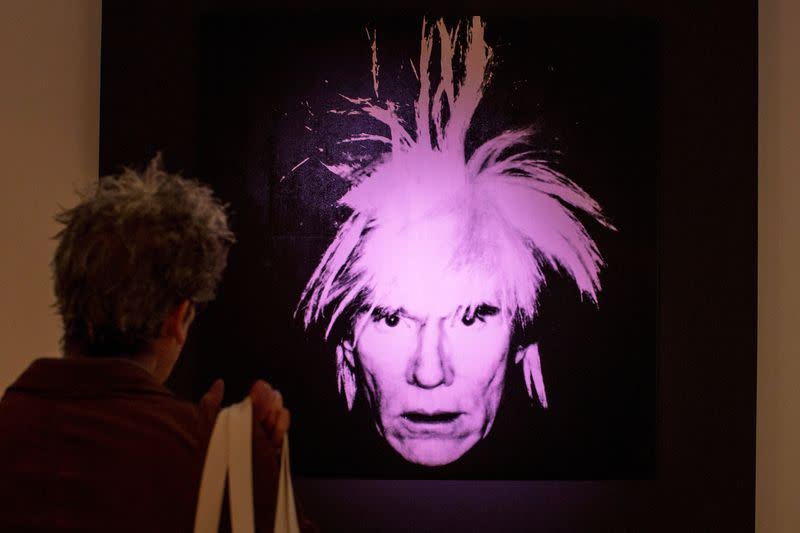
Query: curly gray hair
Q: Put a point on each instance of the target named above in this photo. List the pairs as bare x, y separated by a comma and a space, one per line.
136, 245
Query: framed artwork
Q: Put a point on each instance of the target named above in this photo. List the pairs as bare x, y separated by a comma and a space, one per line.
468, 251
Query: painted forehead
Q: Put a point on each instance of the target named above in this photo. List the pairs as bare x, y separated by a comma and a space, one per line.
438, 296
433, 266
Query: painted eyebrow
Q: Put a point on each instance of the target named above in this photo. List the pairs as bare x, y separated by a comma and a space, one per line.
484, 309
381, 311
487, 309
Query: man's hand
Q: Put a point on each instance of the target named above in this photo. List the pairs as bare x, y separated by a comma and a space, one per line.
211, 401
269, 411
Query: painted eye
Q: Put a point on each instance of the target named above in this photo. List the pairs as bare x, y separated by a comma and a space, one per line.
479, 314
386, 319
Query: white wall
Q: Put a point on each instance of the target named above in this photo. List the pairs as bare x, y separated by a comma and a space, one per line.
49, 94
778, 441
49, 105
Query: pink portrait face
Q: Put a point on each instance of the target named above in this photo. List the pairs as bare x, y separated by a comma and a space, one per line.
433, 369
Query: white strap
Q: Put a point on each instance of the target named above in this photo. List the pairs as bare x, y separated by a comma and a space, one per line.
212, 484
240, 464
285, 511
230, 452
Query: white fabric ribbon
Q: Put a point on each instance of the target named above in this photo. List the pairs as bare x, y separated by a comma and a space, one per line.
230, 453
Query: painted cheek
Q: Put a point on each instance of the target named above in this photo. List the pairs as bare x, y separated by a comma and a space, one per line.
385, 349
384, 356
478, 354
494, 385
491, 383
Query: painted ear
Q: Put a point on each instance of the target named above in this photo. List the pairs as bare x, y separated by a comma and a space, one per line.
347, 349
532, 371
345, 373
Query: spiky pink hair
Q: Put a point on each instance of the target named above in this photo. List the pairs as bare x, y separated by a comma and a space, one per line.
514, 213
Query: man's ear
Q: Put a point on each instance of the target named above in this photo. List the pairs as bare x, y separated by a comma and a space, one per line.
176, 323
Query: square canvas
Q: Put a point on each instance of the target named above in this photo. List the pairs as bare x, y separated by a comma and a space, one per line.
342, 145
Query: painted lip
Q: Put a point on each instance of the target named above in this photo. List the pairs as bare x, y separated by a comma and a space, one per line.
434, 418
435, 425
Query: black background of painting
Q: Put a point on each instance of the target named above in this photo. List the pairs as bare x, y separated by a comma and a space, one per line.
593, 97
701, 159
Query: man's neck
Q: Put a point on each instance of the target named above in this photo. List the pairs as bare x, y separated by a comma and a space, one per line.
158, 360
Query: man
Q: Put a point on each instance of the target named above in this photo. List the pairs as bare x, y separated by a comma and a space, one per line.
94, 441
439, 264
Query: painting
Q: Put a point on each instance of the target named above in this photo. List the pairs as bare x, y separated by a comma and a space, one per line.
453, 227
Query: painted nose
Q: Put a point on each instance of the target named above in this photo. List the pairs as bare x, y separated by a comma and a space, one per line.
431, 365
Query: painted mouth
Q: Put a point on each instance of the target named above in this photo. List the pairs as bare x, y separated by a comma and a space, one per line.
441, 417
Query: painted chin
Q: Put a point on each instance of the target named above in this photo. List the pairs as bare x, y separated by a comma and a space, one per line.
433, 438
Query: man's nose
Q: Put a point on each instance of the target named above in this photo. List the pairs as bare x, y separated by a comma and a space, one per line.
431, 365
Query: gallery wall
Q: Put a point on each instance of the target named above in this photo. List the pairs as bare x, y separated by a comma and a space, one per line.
778, 431
49, 105
49, 57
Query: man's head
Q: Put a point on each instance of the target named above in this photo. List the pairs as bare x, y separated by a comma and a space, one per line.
134, 258
442, 258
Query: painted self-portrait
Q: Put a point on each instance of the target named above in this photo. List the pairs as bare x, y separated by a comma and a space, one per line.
438, 267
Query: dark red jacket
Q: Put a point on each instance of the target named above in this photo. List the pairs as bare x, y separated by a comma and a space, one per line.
98, 445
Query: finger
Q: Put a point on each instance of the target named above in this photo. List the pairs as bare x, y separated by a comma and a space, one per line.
269, 411
259, 396
280, 428
273, 411
212, 400
265, 401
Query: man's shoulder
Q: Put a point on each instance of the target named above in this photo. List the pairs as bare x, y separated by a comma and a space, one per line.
63, 395
104, 435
